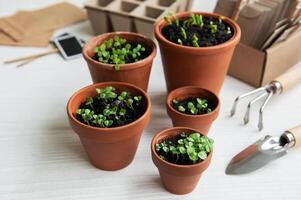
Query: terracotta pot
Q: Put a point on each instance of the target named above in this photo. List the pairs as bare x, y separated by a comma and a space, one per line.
200, 122
177, 179
109, 148
205, 66
135, 73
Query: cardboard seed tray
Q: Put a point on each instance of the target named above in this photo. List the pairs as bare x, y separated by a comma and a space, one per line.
131, 15
258, 68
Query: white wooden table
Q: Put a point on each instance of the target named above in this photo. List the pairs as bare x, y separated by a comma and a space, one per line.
41, 157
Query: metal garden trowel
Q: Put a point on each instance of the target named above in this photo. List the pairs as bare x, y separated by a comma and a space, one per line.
264, 151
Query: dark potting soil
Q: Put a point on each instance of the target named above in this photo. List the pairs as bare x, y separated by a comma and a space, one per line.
98, 105
128, 58
172, 32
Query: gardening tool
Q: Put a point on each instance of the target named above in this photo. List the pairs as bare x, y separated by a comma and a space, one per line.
275, 87
264, 151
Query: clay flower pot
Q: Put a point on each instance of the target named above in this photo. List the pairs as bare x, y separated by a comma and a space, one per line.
135, 73
203, 66
200, 122
109, 148
177, 179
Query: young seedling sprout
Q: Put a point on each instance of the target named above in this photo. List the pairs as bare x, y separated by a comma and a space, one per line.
195, 41
185, 149
183, 33
192, 106
118, 51
180, 41
109, 108
196, 30
169, 21
229, 30
213, 27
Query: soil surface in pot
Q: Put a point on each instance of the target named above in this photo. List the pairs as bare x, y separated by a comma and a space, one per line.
110, 108
119, 51
197, 31
185, 149
192, 106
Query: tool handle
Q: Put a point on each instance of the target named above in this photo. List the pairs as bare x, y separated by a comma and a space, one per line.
297, 135
289, 79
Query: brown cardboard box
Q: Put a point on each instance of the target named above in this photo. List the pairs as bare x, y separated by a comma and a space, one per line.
258, 68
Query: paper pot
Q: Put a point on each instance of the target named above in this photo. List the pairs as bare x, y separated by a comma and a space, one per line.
135, 73
109, 148
204, 66
177, 179
202, 123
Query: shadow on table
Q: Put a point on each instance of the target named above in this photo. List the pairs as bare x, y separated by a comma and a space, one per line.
159, 118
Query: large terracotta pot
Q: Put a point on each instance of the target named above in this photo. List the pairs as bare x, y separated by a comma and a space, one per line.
135, 73
205, 66
200, 122
177, 179
109, 148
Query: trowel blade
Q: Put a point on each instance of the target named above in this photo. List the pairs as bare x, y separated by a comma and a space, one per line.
256, 156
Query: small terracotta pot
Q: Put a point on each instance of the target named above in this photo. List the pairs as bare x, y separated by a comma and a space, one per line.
205, 66
200, 122
109, 148
135, 73
177, 179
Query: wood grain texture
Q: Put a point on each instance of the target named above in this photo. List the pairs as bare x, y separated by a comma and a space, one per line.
297, 134
290, 79
42, 159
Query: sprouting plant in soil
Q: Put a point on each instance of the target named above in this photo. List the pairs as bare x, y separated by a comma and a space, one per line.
192, 106
197, 30
110, 108
185, 149
118, 51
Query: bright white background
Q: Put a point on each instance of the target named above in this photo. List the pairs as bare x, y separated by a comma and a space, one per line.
41, 157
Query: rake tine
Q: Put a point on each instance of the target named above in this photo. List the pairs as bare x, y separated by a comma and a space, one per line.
233, 110
247, 115
260, 122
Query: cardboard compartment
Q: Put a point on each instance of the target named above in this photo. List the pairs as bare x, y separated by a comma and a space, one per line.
259, 68
131, 15
189, 4
147, 17
120, 15
170, 5
163, 3
96, 10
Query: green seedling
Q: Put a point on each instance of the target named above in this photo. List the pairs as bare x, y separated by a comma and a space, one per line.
213, 27
196, 106
196, 30
183, 33
186, 149
168, 19
195, 41
118, 51
108, 108
229, 30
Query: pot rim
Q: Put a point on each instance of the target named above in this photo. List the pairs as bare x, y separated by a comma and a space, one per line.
213, 112
153, 143
104, 84
93, 41
235, 38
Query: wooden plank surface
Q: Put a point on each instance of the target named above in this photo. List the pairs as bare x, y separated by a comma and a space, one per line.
41, 157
